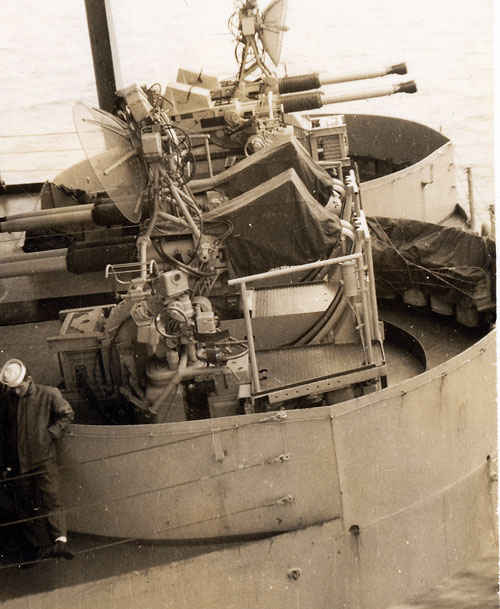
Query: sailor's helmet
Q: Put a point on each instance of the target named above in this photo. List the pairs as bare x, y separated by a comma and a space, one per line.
13, 373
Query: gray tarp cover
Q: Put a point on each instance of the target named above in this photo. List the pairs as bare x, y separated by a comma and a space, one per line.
287, 153
447, 262
278, 223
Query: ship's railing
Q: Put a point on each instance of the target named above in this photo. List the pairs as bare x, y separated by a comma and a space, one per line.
363, 244
119, 271
366, 299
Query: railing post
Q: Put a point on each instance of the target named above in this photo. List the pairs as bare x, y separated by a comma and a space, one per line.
367, 321
251, 345
371, 276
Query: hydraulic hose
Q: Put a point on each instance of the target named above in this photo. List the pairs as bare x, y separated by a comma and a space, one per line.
172, 385
325, 318
331, 322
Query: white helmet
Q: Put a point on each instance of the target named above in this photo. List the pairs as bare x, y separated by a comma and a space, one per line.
12, 373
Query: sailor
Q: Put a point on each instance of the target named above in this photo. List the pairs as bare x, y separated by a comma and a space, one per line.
32, 419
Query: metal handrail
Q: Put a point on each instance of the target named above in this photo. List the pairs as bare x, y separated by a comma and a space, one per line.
115, 270
242, 282
286, 270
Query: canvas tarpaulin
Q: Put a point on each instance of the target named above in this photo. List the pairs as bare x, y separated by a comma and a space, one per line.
443, 261
278, 223
266, 164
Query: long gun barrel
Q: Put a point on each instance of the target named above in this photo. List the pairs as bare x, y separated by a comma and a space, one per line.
318, 99
102, 214
85, 257
308, 82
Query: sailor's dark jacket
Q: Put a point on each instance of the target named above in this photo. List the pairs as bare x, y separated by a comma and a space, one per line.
42, 417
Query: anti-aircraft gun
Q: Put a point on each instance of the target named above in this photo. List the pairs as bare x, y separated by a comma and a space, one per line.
182, 342
236, 117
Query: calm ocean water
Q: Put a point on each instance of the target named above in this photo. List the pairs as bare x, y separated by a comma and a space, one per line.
448, 46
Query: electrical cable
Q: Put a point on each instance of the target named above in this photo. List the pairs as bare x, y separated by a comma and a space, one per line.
190, 202
154, 95
158, 245
229, 231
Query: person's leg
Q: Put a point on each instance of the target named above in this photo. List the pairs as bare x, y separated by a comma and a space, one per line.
33, 530
49, 500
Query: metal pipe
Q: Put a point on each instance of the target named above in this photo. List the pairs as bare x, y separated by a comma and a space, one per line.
209, 157
163, 376
184, 209
172, 385
144, 240
366, 311
251, 345
353, 187
373, 293
371, 275
348, 205
293, 269
347, 231
163, 215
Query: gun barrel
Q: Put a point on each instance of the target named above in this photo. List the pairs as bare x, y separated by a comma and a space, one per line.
103, 214
78, 258
307, 82
33, 263
46, 218
405, 87
317, 99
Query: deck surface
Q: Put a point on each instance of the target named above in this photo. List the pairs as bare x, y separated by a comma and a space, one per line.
95, 559
301, 364
441, 338
472, 589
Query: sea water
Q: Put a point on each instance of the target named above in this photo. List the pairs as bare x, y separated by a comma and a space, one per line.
447, 45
